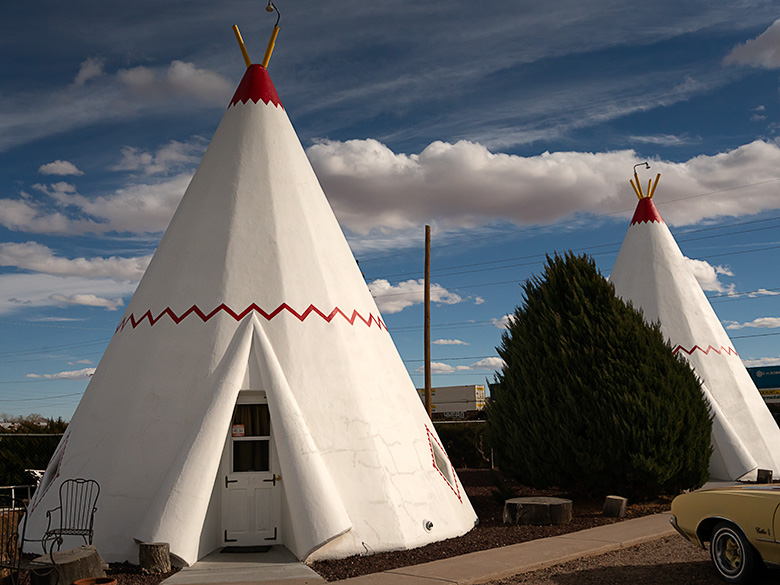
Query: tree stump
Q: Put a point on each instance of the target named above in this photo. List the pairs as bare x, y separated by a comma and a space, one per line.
72, 564
154, 557
538, 511
615, 507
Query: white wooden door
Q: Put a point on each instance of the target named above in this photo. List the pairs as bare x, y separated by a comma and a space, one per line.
251, 495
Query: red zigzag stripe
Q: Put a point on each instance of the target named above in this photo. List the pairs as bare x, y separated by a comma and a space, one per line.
195, 310
722, 350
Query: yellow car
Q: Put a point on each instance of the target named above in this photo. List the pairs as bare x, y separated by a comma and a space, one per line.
742, 525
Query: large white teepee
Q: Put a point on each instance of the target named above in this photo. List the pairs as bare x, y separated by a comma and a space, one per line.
652, 273
251, 393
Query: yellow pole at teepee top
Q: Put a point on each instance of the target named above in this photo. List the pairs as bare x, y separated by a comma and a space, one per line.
637, 187
241, 45
638, 194
652, 191
270, 49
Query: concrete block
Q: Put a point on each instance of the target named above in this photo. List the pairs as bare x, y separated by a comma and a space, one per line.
615, 507
538, 510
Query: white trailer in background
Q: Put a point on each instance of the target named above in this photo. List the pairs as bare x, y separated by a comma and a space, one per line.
456, 401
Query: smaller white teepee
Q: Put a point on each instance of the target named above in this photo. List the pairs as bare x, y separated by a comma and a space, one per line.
652, 273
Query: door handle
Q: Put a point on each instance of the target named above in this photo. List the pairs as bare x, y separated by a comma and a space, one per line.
227, 481
274, 479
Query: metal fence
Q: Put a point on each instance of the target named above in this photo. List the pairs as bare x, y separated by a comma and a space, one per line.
15, 492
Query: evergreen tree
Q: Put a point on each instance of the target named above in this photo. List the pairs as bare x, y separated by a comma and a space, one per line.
592, 399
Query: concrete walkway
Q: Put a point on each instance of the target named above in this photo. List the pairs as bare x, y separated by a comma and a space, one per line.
281, 568
498, 563
278, 565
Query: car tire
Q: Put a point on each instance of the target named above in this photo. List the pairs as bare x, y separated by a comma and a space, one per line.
734, 557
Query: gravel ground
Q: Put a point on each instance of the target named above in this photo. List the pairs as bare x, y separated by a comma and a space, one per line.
667, 561
491, 532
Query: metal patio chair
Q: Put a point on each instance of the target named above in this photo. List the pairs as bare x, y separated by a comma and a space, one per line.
75, 516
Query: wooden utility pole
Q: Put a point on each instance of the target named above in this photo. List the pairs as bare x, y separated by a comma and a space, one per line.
427, 328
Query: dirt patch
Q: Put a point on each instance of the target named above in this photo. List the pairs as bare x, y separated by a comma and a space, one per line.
129, 574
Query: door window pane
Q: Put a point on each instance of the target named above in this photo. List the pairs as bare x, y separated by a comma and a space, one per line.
250, 456
251, 420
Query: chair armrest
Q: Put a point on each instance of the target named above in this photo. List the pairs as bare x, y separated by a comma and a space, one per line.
51, 535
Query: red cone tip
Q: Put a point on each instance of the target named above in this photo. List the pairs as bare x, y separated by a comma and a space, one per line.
256, 85
646, 212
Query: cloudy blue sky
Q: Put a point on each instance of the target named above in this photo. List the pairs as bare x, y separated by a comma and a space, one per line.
511, 127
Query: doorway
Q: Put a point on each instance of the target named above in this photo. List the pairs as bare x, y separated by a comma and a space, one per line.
251, 490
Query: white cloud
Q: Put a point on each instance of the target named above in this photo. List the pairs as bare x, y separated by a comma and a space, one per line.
707, 275
90, 69
449, 342
40, 258
84, 374
25, 215
384, 197
164, 160
758, 323
665, 139
503, 322
88, 300
376, 191
24, 291
763, 51
437, 368
491, 363
140, 208
178, 79
60, 167
763, 292
759, 362
395, 298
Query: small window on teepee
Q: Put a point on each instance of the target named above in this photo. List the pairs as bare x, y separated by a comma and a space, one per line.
442, 463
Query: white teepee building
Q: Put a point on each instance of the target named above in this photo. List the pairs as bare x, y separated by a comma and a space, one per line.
652, 273
251, 393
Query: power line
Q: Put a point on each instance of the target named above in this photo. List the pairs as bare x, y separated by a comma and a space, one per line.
535, 258
453, 359
754, 335
456, 287
23, 324
40, 398
51, 348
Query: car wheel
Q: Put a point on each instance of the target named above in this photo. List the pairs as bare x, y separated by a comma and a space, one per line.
733, 556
